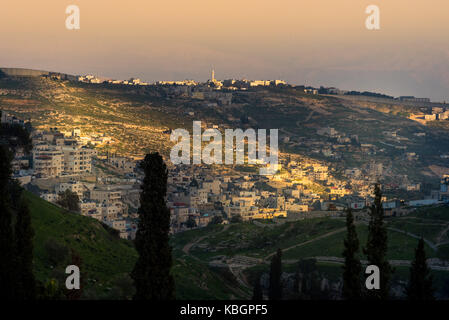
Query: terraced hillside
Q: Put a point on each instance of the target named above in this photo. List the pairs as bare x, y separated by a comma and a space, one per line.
135, 118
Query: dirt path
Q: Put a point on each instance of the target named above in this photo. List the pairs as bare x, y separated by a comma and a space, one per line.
188, 246
308, 117
436, 221
441, 235
241, 279
428, 242
339, 260
239, 272
308, 241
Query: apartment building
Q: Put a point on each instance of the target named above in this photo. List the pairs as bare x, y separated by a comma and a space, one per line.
88, 207
77, 159
119, 225
111, 211
74, 186
122, 163
213, 186
105, 196
245, 212
48, 161
50, 197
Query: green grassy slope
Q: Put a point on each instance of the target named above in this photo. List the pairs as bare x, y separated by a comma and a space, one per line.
316, 237
104, 256
196, 280
258, 242
400, 246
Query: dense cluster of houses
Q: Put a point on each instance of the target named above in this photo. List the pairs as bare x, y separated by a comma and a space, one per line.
60, 162
200, 194
430, 114
300, 189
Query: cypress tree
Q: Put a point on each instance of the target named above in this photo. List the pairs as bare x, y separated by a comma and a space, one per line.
26, 283
420, 285
151, 274
352, 268
257, 291
376, 247
275, 290
16, 247
7, 270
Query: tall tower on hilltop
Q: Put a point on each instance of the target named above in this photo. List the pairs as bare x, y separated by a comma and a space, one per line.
213, 76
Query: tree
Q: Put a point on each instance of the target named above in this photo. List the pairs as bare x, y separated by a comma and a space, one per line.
352, 268
275, 290
69, 200
257, 290
16, 136
376, 247
216, 220
236, 219
309, 280
445, 289
7, 270
191, 223
123, 288
420, 285
151, 273
16, 246
25, 282
244, 119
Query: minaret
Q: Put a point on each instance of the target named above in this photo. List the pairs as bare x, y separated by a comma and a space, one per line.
213, 76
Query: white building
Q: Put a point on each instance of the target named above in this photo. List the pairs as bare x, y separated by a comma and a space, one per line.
105, 196
119, 225
77, 159
74, 186
48, 161
50, 197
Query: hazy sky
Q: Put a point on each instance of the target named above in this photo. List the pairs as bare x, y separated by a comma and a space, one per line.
319, 42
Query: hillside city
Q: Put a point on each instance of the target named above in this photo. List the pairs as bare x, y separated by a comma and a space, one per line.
83, 178
225, 159
108, 185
